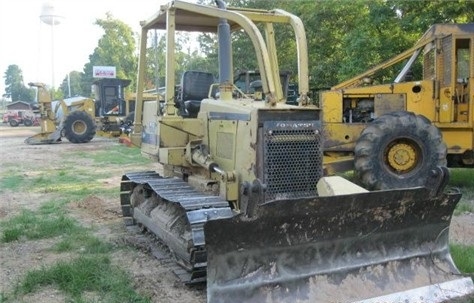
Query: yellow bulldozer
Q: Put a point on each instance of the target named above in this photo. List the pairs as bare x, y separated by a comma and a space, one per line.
82, 119
239, 196
394, 132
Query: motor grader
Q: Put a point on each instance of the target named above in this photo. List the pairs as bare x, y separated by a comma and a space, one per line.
239, 195
80, 119
396, 131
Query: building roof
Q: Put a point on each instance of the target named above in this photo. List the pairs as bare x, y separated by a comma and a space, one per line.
18, 103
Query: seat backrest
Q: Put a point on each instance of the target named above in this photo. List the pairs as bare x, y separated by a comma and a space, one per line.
195, 85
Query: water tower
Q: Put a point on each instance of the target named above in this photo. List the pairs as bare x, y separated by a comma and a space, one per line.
51, 18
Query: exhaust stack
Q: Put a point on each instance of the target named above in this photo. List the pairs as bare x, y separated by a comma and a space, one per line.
225, 56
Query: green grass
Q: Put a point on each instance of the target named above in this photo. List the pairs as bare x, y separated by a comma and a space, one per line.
89, 276
85, 243
84, 274
115, 155
72, 183
90, 271
11, 181
71, 179
463, 179
464, 258
31, 225
51, 220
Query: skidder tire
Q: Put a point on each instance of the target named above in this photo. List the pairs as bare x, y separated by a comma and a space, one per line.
79, 127
398, 150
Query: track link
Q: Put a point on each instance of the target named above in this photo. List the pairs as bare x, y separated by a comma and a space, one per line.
148, 242
175, 213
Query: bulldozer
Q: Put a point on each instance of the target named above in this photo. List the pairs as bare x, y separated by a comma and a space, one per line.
240, 198
81, 120
397, 121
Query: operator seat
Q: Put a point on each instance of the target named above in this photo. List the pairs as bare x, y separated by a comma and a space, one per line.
194, 88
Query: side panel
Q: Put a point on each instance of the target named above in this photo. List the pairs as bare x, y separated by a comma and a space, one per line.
222, 141
341, 136
246, 151
446, 105
458, 140
420, 97
331, 102
387, 103
150, 138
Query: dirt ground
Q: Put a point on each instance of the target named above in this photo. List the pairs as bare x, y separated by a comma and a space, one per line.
152, 277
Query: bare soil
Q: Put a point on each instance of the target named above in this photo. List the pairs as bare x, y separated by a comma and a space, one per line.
151, 277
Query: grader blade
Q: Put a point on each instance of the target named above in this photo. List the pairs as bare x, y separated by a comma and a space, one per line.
385, 246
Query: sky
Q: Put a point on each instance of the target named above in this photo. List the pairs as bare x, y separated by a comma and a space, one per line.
37, 47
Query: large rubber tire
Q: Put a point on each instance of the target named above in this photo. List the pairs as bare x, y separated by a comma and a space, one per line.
398, 150
13, 123
79, 127
27, 122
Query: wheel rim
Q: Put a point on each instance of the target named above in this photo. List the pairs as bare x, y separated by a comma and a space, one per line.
79, 127
402, 156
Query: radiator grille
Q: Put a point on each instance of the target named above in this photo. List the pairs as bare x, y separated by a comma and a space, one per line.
447, 63
292, 159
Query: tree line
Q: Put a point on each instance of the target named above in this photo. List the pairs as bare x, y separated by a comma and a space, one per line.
344, 38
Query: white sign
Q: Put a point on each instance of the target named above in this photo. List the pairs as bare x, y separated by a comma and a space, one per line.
103, 72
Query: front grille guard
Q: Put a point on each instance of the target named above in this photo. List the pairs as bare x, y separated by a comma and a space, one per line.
292, 159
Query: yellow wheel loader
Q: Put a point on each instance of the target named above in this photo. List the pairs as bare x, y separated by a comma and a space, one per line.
395, 132
241, 201
80, 120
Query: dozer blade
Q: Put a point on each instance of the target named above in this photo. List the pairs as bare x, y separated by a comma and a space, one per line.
44, 138
385, 246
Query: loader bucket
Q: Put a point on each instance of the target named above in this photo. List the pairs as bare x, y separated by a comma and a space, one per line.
385, 246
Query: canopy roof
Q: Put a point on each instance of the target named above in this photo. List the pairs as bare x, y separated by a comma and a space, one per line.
437, 30
202, 18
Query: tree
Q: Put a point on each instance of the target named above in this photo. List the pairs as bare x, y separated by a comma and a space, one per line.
155, 73
186, 58
243, 52
14, 86
75, 80
115, 48
346, 38
418, 16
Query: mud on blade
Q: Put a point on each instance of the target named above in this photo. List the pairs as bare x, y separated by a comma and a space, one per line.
386, 246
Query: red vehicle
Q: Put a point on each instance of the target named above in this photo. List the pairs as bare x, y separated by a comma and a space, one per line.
17, 117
